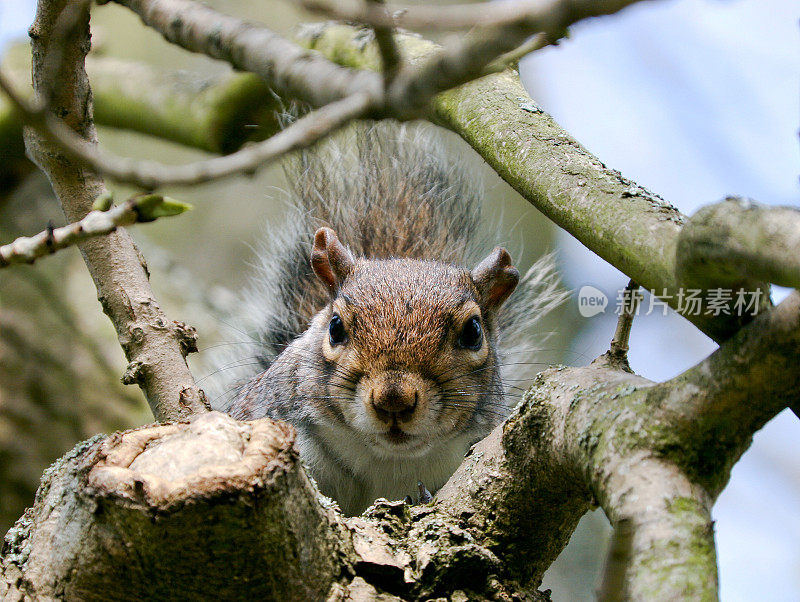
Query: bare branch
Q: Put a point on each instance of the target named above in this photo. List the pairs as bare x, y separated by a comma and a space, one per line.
154, 345
66, 33
152, 174
511, 59
138, 209
391, 60
465, 60
432, 17
249, 47
618, 351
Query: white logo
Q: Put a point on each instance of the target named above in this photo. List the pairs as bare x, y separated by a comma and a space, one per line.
591, 301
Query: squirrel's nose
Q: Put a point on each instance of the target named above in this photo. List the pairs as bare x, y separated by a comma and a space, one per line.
394, 405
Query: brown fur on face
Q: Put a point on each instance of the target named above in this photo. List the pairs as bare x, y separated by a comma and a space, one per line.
401, 356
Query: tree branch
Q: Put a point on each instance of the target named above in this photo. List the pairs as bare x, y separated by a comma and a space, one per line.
713, 409
135, 515
482, 14
391, 60
216, 113
154, 346
152, 174
738, 240
618, 351
138, 209
284, 65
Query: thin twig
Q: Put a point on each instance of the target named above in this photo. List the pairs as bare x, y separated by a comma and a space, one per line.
152, 174
512, 58
618, 350
29, 249
391, 58
426, 17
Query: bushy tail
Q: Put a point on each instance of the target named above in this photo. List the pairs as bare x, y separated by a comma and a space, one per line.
388, 190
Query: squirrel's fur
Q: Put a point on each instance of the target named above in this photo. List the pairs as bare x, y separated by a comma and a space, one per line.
402, 205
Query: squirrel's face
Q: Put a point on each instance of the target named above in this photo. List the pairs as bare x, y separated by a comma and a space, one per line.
409, 348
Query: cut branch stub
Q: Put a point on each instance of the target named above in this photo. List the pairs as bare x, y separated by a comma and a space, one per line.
139, 514
739, 240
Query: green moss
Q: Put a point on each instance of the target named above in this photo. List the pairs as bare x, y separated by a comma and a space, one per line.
686, 561
242, 109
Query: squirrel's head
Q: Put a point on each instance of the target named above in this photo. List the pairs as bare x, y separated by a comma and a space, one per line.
409, 345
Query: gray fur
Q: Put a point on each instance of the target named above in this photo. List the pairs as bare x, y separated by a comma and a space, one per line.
352, 183
388, 190
366, 185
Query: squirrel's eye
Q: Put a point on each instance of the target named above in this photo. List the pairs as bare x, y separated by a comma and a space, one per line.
471, 336
336, 332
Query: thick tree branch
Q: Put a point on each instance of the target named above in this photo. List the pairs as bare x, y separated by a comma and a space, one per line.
711, 411
216, 113
138, 209
135, 516
154, 346
738, 244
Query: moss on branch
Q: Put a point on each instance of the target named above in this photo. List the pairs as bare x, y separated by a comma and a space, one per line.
216, 113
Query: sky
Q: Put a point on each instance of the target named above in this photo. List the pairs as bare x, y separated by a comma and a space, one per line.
695, 100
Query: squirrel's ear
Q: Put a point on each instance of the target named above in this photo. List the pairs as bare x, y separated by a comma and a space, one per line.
495, 278
330, 259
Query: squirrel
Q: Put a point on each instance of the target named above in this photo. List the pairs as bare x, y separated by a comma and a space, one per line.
374, 341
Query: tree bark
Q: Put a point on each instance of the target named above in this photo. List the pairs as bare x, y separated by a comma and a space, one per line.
155, 346
114, 514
